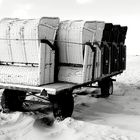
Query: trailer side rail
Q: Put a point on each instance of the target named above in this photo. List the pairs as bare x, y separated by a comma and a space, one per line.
54, 88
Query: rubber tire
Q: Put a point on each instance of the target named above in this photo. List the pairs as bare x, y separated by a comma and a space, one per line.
63, 105
110, 87
12, 100
106, 86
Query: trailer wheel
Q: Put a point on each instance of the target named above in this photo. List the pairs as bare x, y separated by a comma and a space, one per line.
12, 100
106, 86
63, 105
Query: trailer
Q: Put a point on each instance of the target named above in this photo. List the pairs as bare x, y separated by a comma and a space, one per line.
55, 89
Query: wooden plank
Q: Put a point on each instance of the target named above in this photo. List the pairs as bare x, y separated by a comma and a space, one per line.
96, 65
47, 64
99, 62
50, 88
59, 86
41, 63
70, 74
19, 75
53, 52
88, 66
97, 71
27, 88
91, 65
49, 54
52, 66
85, 64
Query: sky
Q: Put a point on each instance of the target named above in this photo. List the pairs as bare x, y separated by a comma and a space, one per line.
123, 12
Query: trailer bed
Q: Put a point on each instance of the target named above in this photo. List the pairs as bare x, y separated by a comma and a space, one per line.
53, 88
50, 88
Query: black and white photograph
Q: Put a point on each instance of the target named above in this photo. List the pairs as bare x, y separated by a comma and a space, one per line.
69, 70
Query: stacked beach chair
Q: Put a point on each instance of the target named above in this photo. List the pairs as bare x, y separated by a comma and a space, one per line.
86, 50
76, 57
113, 49
23, 58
